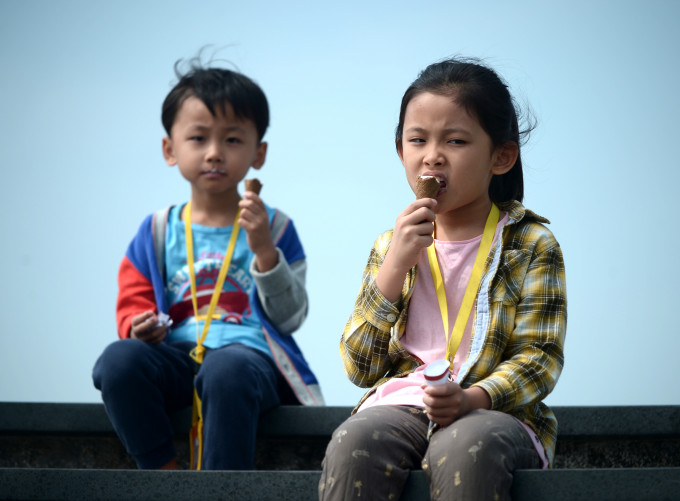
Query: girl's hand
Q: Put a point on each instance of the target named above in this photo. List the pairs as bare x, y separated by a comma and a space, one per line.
255, 221
447, 402
144, 328
412, 233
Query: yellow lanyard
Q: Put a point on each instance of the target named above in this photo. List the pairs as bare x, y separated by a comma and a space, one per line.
197, 353
453, 341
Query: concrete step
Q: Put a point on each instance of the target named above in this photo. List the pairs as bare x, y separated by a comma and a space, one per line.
131, 485
47, 435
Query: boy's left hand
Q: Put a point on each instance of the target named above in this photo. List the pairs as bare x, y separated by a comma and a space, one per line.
446, 403
255, 221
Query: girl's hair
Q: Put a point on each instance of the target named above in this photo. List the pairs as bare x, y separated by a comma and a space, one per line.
485, 96
217, 88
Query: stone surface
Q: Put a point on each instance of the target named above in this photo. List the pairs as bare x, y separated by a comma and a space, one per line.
295, 438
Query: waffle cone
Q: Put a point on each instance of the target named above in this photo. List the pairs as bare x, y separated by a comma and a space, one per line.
253, 185
427, 187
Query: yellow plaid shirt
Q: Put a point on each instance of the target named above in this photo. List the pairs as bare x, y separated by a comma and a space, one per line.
517, 348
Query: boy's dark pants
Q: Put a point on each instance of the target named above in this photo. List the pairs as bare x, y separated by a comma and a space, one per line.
142, 384
371, 454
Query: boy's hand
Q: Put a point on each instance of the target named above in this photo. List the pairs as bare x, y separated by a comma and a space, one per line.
412, 233
144, 328
255, 221
445, 403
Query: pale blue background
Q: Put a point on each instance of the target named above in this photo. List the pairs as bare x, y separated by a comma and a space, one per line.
80, 143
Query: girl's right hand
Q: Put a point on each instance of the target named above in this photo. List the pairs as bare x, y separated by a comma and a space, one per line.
144, 328
412, 233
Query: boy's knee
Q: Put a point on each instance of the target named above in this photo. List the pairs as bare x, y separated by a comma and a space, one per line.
118, 360
236, 372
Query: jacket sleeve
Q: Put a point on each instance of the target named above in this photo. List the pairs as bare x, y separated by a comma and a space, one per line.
364, 346
140, 284
282, 291
283, 294
533, 357
135, 296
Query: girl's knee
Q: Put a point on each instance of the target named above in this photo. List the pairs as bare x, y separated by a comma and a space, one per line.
476, 439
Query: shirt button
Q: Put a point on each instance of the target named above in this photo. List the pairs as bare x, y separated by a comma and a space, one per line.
391, 317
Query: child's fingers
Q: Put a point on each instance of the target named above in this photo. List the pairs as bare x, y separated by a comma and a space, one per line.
142, 317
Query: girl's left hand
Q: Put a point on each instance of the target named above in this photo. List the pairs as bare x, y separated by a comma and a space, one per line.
255, 221
446, 403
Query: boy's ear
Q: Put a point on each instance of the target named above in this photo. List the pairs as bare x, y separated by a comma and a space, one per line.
505, 157
169, 152
260, 155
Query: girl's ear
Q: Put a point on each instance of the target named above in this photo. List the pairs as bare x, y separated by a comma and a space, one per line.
400, 150
504, 158
260, 156
168, 152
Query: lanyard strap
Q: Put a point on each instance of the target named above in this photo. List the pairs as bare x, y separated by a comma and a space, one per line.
197, 353
453, 341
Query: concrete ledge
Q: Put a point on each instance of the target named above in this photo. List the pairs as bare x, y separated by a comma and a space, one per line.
91, 419
118, 485
55, 435
574, 422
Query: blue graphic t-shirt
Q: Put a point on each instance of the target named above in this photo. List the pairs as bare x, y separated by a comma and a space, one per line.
237, 323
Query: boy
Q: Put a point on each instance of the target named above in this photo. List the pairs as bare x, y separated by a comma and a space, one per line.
244, 360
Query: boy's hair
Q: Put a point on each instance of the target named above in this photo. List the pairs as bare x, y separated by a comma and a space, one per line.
485, 96
217, 88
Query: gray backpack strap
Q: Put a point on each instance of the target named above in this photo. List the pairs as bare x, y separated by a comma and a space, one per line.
279, 225
158, 225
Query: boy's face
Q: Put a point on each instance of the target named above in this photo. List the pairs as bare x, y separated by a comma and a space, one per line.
213, 153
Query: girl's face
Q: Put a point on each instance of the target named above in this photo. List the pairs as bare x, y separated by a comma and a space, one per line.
441, 139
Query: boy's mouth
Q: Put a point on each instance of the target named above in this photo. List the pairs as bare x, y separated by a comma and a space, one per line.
213, 172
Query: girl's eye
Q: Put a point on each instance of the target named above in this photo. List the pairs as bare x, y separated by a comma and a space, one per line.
416, 140
456, 141
234, 140
196, 138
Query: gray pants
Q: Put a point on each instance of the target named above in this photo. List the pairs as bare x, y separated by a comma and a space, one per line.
372, 453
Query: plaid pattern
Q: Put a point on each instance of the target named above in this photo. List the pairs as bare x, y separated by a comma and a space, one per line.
517, 351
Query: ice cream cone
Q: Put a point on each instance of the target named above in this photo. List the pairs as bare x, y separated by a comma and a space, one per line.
427, 187
253, 185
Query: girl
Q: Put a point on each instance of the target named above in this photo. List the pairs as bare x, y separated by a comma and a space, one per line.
469, 276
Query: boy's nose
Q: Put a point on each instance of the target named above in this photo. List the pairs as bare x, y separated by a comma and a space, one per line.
214, 152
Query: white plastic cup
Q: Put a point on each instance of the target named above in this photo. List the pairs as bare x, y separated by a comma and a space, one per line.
437, 372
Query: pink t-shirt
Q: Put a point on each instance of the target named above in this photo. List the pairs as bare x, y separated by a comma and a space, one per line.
424, 334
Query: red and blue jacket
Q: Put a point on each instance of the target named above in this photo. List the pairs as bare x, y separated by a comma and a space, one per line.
142, 287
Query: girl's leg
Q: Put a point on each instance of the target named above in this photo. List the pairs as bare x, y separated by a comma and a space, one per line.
235, 384
372, 453
140, 384
474, 457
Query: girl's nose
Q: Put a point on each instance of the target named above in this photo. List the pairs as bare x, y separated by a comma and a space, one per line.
433, 156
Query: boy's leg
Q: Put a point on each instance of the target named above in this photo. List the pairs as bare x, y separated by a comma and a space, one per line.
371, 454
140, 384
235, 384
474, 457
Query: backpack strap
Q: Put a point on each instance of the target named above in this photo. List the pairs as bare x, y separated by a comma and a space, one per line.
158, 226
279, 225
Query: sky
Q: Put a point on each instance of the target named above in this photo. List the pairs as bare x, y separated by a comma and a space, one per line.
80, 138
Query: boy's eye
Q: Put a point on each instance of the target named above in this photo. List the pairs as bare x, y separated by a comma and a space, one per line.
416, 140
234, 140
196, 138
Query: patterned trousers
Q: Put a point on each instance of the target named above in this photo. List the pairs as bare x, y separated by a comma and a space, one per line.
372, 453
